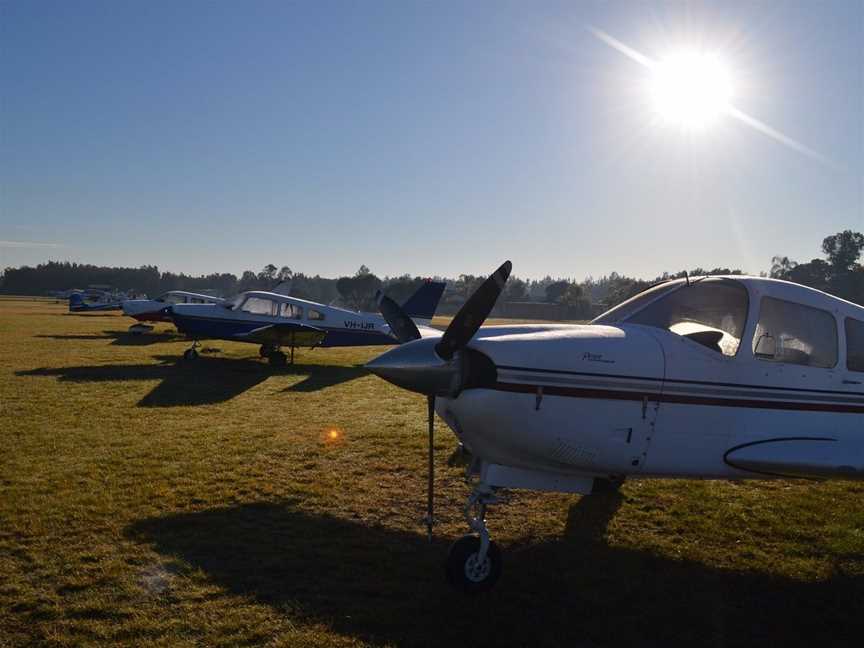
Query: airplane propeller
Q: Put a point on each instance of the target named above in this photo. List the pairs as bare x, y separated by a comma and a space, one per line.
441, 371
402, 326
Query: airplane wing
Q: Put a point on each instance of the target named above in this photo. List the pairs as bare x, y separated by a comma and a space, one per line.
285, 334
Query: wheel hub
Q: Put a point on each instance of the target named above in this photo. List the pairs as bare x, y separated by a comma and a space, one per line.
475, 570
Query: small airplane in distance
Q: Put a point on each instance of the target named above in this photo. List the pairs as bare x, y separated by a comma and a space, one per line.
154, 310
719, 377
95, 300
273, 321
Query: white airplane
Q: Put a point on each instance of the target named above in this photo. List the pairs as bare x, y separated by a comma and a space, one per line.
724, 377
273, 320
154, 310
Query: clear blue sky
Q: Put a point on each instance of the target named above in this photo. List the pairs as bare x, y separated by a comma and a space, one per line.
428, 138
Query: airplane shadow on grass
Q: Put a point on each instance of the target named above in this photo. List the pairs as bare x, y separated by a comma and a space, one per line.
383, 585
207, 380
120, 338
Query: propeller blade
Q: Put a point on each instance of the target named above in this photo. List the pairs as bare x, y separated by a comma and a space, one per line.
430, 493
473, 313
403, 327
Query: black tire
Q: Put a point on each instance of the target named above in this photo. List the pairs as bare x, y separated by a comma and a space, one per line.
462, 569
277, 359
190, 354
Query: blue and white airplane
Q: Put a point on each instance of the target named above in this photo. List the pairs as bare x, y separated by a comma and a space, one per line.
274, 321
95, 300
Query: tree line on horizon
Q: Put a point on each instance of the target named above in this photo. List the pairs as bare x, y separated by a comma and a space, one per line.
839, 273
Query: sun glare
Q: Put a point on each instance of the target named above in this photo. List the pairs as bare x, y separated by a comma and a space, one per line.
690, 90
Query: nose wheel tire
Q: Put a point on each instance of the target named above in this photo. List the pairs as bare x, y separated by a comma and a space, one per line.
265, 351
464, 569
190, 355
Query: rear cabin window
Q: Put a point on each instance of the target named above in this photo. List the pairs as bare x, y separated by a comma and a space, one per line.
197, 300
315, 315
173, 299
710, 312
795, 333
259, 306
291, 311
854, 345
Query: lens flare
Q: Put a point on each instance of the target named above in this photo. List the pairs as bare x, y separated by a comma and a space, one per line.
332, 436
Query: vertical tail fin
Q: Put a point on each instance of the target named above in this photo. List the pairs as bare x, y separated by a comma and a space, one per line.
76, 302
422, 304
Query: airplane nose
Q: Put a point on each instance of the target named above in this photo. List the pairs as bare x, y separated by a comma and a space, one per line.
416, 367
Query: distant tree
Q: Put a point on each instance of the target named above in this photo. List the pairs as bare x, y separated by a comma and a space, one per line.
248, 281
781, 266
362, 270
268, 274
284, 274
556, 290
572, 295
401, 288
358, 291
843, 250
515, 290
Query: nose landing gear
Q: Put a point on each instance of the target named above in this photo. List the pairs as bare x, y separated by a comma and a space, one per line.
191, 353
474, 563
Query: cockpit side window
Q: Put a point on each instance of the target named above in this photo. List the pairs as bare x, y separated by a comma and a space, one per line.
795, 333
259, 306
710, 312
173, 299
291, 311
854, 344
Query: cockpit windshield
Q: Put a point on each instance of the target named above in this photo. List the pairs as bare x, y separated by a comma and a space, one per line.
636, 303
232, 304
710, 311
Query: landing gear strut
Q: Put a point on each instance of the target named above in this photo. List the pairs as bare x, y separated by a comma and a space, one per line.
278, 359
474, 563
192, 352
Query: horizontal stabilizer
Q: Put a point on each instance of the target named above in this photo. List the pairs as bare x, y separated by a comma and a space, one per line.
807, 457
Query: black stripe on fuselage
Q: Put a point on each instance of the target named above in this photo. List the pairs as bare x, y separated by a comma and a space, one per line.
681, 399
680, 381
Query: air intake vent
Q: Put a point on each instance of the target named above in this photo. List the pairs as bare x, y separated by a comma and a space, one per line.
573, 455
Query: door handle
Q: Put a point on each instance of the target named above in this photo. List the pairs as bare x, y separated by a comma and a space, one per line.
851, 382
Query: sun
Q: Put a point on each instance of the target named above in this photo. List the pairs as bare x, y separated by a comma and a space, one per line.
690, 89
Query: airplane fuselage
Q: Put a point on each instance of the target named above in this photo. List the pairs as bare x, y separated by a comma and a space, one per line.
628, 400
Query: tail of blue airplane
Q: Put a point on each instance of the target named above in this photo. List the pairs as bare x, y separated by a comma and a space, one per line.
422, 304
76, 302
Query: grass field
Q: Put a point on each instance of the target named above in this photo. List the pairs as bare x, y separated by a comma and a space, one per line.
150, 502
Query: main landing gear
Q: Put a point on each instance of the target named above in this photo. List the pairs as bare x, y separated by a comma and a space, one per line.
274, 355
474, 563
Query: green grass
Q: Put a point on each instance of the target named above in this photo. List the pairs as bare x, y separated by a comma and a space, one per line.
149, 502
